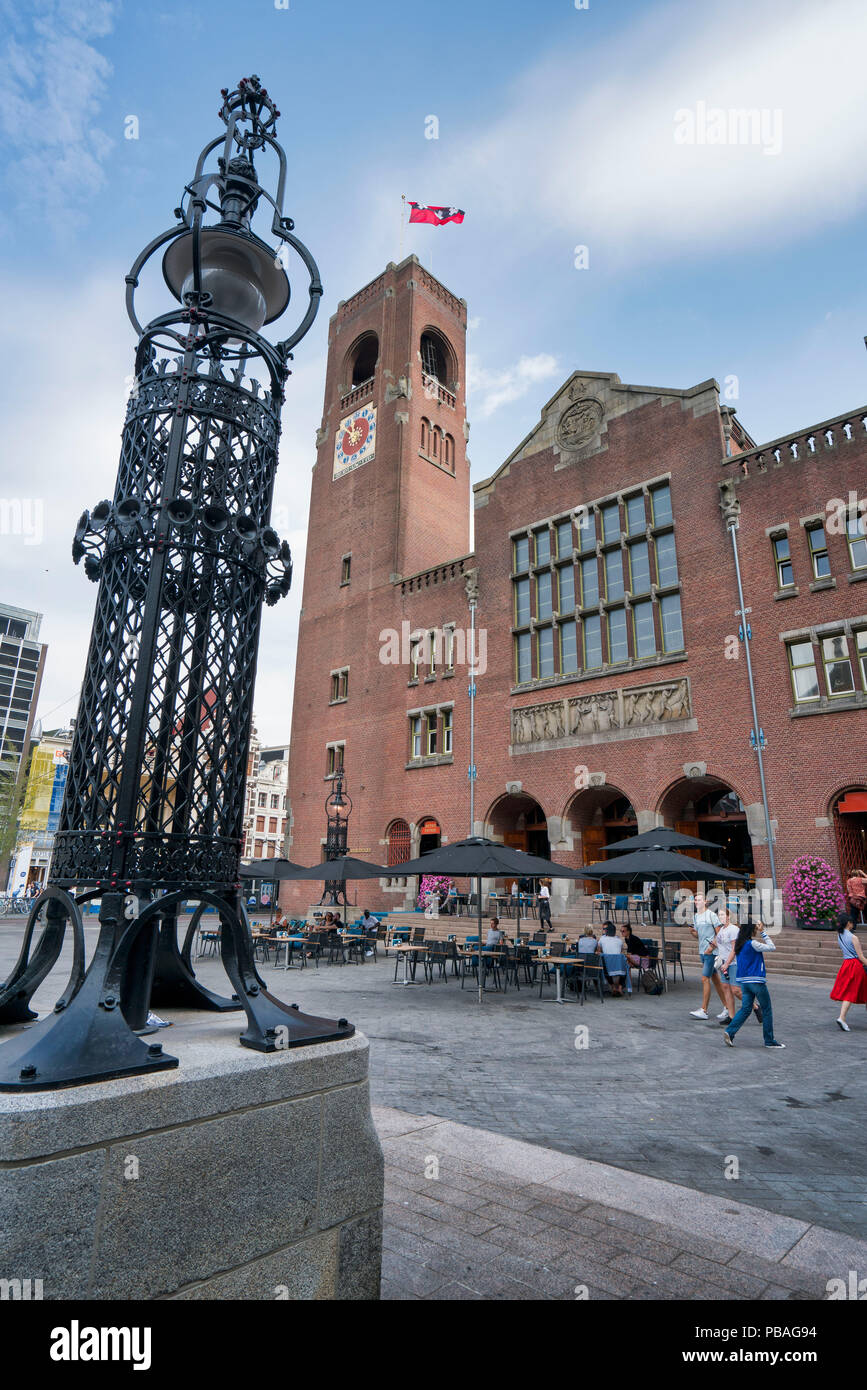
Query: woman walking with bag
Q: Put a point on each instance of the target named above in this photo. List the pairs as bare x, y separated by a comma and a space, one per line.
749, 951
850, 986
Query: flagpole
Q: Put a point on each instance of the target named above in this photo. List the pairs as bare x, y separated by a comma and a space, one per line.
402, 213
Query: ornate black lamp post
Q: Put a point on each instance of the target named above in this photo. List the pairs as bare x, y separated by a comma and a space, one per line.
184, 555
338, 806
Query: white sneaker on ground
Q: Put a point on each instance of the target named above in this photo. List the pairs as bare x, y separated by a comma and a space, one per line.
698, 1013
725, 1016
841, 1023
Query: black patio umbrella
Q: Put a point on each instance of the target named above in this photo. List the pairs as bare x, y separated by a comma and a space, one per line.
663, 865
271, 869
341, 870
661, 838
479, 858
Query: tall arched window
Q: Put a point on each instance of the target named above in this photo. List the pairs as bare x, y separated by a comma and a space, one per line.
435, 443
449, 452
425, 432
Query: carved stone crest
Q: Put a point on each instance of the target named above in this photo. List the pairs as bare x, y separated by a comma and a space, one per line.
579, 423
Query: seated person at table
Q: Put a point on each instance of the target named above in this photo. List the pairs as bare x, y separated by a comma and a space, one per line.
368, 923
610, 945
587, 943
495, 936
338, 922
635, 949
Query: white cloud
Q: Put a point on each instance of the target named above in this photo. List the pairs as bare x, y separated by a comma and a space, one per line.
497, 387
52, 83
587, 149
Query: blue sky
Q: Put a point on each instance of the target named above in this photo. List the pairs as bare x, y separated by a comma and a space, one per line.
556, 130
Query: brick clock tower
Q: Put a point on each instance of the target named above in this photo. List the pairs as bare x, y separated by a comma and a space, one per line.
388, 541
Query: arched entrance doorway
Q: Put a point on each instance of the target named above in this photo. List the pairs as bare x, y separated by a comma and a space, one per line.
519, 821
849, 818
429, 836
601, 815
710, 809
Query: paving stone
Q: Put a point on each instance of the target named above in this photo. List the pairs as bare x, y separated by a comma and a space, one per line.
743, 1284
410, 1275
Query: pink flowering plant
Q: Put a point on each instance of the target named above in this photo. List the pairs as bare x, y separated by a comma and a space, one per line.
812, 892
432, 883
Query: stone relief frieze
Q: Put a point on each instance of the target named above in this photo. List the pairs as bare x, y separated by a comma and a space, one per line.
637, 708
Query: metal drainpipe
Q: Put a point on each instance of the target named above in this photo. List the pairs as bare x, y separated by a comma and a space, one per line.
747, 639
472, 694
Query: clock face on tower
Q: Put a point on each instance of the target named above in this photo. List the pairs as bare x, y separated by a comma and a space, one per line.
356, 440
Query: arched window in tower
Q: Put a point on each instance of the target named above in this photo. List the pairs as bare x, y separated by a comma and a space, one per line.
449, 452
362, 359
425, 434
437, 359
435, 443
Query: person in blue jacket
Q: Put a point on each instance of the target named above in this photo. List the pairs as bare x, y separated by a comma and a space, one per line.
749, 950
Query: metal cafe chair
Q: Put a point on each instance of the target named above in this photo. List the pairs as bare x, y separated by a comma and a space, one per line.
590, 973
600, 909
673, 958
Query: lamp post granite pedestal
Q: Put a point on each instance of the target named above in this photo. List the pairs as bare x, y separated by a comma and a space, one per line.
239, 1175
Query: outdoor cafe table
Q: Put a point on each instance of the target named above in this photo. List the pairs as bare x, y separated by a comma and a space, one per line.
558, 961
485, 953
404, 949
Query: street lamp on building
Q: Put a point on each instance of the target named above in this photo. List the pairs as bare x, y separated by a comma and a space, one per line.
184, 555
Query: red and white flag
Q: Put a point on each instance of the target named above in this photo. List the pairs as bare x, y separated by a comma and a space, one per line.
437, 217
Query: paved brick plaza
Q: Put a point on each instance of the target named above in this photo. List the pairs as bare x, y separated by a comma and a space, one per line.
655, 1092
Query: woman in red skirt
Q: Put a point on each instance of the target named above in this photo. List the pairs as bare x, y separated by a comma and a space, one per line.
850, 986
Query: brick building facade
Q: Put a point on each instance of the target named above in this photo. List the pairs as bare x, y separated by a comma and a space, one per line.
612, 691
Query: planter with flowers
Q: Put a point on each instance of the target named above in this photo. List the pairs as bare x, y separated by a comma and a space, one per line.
432, 883
813, 894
